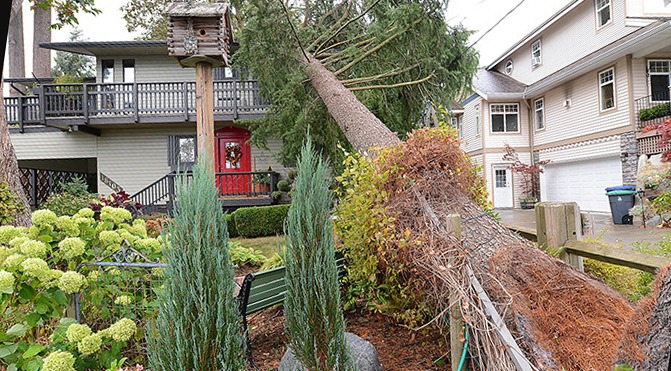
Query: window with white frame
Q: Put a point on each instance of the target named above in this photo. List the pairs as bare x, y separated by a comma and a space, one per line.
456, 123
603, 13
505, 117
658, 80
477, 120
539, 114
536, 53
607, 89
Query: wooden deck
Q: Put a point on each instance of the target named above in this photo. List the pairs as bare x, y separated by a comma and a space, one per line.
67, 105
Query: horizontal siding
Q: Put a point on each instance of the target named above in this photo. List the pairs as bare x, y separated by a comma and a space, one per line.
605, 147
149, 68
470, 141
53, 145
264, 158
134, 158
569, 39
583, 116
499, 140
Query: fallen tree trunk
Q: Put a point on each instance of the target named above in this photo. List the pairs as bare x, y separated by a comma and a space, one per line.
564, 318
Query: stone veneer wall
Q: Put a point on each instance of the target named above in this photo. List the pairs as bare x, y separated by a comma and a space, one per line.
629, 157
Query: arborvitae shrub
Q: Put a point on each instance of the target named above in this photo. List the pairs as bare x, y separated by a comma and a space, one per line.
197, 327
260, 221
312, 309
230, 223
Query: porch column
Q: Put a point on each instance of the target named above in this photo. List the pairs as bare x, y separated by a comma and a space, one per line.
205, 108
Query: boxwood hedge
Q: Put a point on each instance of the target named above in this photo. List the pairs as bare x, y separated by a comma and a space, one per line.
259, 221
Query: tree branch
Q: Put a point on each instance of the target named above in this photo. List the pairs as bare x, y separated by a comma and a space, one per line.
392, 86
293, 30
394, 72
378, 47
345, 25
342, 18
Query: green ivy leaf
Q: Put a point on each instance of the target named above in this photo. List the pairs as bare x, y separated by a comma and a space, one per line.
27, 292
33, 350
17, 330
32, 319
8, 350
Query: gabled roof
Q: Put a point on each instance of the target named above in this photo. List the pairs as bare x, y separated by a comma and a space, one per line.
110, 47
533, 34
495, 85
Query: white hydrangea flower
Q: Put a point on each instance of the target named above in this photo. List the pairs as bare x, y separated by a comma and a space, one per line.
77, 332
59, 361
71, 282
6, 282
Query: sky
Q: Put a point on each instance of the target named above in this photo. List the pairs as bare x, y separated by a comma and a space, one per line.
477, 15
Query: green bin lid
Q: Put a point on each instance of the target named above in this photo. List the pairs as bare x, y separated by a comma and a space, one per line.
620, 192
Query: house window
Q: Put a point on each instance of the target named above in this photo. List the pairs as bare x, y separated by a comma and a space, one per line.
603, 14
509, 67
505, 118
536, 53
500, 179
108, 70
477, 120
539, 114
456, 123
658, 80
607, 89
128, 70
182, 152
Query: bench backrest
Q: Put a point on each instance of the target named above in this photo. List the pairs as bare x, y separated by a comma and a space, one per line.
268, 288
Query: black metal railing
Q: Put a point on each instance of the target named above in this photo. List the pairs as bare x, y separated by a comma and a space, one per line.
131, 101
648, 102
234, 184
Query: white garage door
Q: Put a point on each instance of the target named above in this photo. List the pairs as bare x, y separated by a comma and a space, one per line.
582, 181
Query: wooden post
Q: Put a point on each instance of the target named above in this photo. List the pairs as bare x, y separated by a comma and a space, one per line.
456, 321
205, 108
557, 223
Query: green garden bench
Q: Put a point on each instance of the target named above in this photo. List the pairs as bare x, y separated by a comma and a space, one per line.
265, 289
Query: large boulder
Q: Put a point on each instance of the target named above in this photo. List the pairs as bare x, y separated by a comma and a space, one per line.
362, 352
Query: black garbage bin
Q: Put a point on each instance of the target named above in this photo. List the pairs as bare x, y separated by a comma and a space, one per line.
621, 199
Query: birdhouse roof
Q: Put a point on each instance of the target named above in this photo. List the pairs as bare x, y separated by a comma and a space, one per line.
185, 9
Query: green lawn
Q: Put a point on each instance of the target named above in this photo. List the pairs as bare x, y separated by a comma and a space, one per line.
267, 245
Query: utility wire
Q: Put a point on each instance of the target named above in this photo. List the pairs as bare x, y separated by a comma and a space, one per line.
293, 30
497, 23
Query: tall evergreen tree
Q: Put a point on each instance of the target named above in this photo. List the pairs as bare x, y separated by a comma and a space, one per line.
71, 64
312, 309
197, 327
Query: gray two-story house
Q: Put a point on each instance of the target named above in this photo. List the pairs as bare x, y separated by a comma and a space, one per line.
134, 127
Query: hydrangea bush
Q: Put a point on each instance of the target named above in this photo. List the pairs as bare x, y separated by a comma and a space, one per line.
39, 272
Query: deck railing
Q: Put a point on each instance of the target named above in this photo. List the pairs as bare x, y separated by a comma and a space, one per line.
646, 103
230, 185
131, 101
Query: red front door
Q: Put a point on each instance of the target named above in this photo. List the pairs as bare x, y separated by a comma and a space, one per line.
233, 156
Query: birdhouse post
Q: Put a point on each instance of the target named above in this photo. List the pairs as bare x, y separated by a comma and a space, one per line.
199, 35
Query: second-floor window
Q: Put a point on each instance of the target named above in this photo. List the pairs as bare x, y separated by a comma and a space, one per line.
108, 70
505, 117
603, 14
658, 80
539, 114
128, 70
456, 123
536, 53
607, 89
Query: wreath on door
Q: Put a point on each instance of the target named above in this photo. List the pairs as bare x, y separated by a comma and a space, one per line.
233, 154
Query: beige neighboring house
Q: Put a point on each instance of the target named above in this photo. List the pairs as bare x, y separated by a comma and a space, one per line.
570, 92
134, 127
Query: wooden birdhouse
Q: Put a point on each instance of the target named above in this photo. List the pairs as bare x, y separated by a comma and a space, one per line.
199, 32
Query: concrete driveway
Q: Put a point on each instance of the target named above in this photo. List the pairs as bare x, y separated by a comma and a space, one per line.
604, 229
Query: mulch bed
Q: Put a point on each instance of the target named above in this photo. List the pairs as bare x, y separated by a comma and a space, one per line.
399, 348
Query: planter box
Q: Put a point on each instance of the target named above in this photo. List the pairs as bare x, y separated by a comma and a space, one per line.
527, 204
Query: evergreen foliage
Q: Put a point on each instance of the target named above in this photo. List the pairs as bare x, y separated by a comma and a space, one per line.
75, 66
312, 309
395, 57
197, 327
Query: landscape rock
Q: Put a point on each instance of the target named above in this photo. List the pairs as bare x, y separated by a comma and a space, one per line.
362, 352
